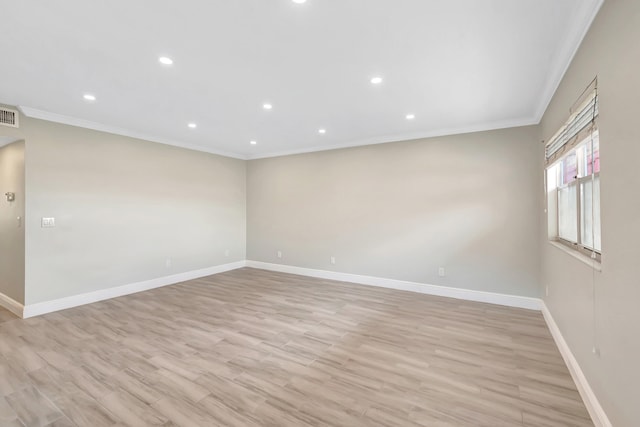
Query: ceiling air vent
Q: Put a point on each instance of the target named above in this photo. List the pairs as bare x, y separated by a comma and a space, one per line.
8, 117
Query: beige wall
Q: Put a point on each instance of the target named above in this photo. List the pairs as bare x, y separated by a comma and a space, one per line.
122, 208
401, 210
11, 228
610, 51
471, 203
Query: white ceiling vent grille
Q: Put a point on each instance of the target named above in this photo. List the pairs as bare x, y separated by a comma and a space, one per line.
9, 117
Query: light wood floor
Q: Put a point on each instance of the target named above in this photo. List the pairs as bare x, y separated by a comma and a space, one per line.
254, 348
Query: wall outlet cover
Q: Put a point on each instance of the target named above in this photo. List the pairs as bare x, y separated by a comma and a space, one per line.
48, 222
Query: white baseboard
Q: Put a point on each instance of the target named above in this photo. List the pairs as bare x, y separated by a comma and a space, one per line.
37, 309
598, 416
12, 305
443, 291
596, 411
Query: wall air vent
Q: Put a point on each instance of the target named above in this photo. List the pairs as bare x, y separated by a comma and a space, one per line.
9, 117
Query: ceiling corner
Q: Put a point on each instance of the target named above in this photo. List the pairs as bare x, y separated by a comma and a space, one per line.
570, 48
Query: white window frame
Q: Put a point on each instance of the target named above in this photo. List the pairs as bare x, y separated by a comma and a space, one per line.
576, 133
579, 246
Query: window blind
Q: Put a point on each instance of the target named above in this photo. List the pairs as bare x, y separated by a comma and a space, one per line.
581, 123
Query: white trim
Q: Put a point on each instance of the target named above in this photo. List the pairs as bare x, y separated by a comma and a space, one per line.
12, 305
443, 291
87, 124
6, 140
566, 53
596, 411
559, 66
503, 124
37, 309
577, 255
592, 404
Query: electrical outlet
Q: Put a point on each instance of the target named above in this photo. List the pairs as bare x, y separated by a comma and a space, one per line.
333, 260
279, 254
596, 351
167, 263
441, 272
226, 252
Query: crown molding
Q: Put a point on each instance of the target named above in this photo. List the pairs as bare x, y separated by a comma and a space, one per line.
497, 125
576, 31
567, 52
87, 124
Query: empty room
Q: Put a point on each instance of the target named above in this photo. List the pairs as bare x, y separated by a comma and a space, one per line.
319, 213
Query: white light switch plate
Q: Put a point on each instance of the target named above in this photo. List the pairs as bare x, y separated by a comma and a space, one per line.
48, 222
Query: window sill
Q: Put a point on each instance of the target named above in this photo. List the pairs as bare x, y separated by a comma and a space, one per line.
577, 255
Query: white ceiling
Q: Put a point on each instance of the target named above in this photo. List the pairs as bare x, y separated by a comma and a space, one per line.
458, 65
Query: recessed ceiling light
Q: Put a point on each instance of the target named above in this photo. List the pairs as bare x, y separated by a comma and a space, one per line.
410, 116
376, 80
253, 142
299, 1
165, 60
267, 106
192, 125
89, 97
322, 131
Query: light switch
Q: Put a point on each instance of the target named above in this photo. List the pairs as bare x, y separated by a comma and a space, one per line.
48, 222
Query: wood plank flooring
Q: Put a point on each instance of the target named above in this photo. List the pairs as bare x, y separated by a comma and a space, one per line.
256, 348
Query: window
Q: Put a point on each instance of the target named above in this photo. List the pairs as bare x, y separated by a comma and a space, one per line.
573, 181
